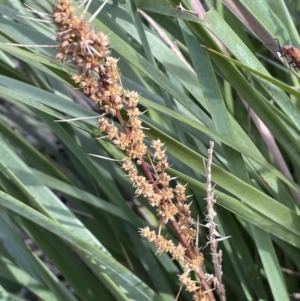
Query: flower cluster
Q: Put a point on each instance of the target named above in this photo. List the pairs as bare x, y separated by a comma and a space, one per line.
98, 77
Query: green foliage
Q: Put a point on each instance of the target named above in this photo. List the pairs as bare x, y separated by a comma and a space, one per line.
81, 210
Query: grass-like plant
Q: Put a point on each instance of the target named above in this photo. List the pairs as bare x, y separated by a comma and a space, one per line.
108, 110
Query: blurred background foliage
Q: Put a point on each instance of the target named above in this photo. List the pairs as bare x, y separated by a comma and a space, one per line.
69, 221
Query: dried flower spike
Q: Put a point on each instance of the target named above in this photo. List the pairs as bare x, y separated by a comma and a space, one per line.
98, 76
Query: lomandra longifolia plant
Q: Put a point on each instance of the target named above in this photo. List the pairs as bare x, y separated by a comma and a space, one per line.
99, 79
